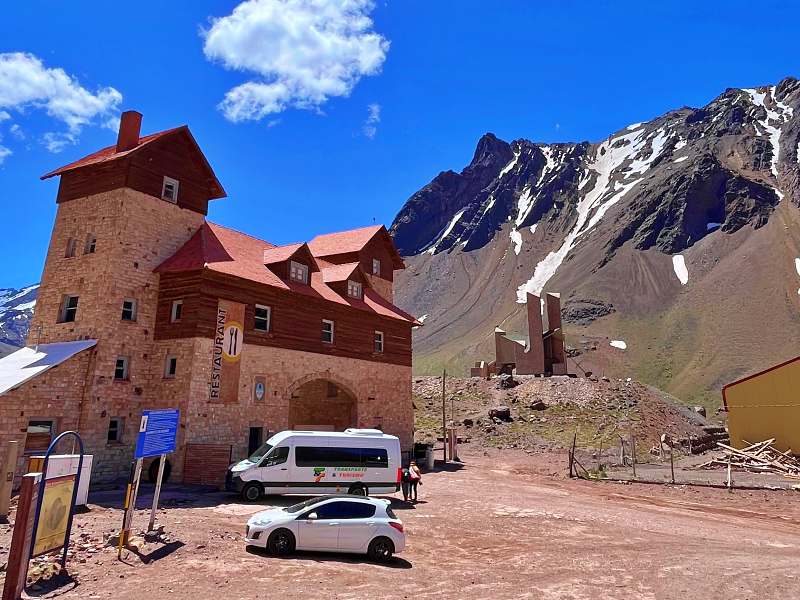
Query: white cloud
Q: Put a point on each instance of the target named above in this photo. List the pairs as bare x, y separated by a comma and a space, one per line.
370, 127
25, 83
4, 153
303, 52
16, 131
4, 116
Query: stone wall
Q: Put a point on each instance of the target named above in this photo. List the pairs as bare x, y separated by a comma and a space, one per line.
135, 233
56, 394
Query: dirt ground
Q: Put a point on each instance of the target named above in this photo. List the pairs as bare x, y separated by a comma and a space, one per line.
499, 526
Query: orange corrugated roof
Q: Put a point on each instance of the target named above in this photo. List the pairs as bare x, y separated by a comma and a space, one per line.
231, 252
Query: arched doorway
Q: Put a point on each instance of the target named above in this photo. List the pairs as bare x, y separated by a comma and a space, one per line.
322, 404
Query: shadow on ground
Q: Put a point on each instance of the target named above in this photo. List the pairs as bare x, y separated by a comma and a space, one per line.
324, 557
57, 585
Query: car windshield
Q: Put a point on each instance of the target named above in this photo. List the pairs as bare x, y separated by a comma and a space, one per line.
301, 505
260, 453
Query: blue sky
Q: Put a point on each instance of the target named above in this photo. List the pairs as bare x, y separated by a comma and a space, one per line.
295, 147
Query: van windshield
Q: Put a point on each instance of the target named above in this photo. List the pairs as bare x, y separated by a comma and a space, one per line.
260, 453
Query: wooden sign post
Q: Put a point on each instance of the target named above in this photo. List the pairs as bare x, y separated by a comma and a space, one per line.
7, 478
22, 538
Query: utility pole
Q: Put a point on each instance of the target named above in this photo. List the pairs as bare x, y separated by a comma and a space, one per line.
444, 418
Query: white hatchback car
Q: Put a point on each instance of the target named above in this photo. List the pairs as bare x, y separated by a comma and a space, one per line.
337, 523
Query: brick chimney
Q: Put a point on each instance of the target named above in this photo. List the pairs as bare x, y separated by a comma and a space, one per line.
130, 123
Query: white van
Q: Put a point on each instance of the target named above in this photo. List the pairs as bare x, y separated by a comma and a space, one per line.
356, 461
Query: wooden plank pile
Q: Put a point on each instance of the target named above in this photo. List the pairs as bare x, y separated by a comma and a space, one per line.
757, 458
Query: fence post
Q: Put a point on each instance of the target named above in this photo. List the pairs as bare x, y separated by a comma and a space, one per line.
7, 482
633, 454
730, 479
572, 453
672, 463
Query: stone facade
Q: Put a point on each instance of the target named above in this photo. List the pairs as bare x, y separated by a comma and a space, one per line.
135, 233
381, 395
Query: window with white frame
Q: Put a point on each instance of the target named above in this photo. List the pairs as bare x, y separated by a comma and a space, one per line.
115, 427
177, 311
298, 271
376, 266
354, 289
327, 331
261, 318
69, 309
72, 248
379, 341
169, 190
129, 309
91, 244
170, 367
121, 368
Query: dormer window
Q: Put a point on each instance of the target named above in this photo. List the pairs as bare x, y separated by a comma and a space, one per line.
298, 272
169, 190
376, 267
354, 289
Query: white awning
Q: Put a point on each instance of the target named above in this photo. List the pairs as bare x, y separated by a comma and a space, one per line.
26, 363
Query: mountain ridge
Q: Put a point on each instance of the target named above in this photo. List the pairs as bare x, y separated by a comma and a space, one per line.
569, 217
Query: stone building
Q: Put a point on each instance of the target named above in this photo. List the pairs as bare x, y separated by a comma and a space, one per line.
541, 352
144, 304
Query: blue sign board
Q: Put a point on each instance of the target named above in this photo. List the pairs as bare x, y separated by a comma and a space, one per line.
157, 433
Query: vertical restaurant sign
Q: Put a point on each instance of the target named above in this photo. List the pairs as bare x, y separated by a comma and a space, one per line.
227, 350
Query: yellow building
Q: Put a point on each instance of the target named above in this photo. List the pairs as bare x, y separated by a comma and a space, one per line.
766, 405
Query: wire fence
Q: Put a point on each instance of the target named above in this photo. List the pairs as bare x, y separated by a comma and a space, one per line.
667, 459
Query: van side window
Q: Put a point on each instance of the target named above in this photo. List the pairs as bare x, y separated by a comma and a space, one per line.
278, 457
375, 457
307, 456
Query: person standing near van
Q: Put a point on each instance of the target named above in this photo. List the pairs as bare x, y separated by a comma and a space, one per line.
415, 476
405, 483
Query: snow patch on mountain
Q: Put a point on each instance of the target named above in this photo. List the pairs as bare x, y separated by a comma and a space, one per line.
447, 230
779, 115
609, 157
16, 310
618, 344
511, 164
679, 266
797, 266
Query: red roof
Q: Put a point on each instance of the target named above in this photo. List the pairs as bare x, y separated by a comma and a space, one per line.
280, 253
336, 273
223, 250
110, 154
344, 242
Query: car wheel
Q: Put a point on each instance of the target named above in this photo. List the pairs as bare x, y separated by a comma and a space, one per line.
380, 549
252, 491
281, 542
358, 489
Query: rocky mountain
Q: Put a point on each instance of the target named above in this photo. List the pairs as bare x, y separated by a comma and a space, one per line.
678, 239
16, 310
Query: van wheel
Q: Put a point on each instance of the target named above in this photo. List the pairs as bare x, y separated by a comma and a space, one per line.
281, 542
358, 489
252, 491
380, 549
